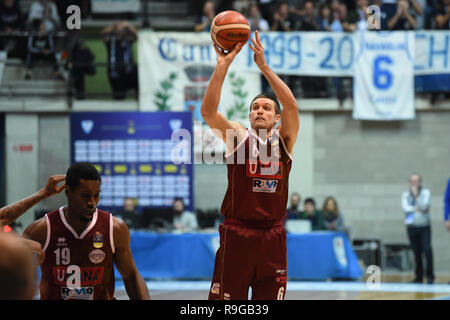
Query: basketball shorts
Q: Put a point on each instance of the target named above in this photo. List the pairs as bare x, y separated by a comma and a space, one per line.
250, 258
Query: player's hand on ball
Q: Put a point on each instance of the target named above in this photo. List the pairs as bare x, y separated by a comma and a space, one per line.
227, 58
258, 50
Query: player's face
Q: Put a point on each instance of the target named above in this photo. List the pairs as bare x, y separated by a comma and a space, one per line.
83, 200
262, 114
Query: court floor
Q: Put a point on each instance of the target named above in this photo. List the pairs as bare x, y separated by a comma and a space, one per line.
298, 290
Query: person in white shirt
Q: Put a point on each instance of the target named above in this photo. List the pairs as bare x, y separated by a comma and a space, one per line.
184, 221
416, 203
47, 11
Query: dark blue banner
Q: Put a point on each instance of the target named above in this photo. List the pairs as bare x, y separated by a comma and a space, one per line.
133, 153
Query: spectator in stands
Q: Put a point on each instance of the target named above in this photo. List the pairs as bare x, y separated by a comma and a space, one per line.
204, 23
312, 214
47, 11
416, 206
122, 71
11, 23
183, 220
404, 18
333, 219
129, 213
357, 18
443, 16
267, 7
339, 14
324, 18
81, 63
294, 211
256, 21
40, 46
308, 20
447, 206
282, 20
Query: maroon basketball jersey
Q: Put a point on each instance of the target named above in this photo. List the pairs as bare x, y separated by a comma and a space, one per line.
258, 176
78, 266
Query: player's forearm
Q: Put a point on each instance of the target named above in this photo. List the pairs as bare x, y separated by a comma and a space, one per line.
10, 213
212, 95
281, 90
136, 288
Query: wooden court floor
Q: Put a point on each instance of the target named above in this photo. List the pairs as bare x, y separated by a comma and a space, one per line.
398, 288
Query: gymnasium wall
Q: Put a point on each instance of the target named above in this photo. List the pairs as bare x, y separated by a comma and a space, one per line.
365, 165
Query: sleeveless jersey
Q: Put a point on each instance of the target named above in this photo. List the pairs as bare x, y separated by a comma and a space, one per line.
258, 176
78, 266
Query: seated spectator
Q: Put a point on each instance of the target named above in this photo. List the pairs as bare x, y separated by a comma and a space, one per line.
324, 18
184, 221
357, 18
308, 21
40, 46
11, 23
47, 11
294, 211
122, 71
256, 21
404, 18
339, 14
204, 23
443, 16
332, 217
129, 213
312, 214
282, 20
81, 64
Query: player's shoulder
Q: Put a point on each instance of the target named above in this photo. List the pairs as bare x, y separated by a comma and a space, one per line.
37, 230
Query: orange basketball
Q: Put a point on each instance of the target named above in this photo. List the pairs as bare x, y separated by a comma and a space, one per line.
229, 28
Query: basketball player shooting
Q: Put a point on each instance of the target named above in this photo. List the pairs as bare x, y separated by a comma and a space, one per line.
81, 243
252, 250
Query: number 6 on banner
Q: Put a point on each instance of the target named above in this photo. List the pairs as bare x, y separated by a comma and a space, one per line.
382, 78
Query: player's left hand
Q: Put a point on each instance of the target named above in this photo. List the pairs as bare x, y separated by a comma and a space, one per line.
258, 50
52, 187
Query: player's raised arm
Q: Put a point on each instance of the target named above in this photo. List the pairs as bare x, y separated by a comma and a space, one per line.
290, 122
211, 99
10, 213
123, 259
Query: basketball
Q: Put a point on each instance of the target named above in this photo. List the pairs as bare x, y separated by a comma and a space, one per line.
229, 28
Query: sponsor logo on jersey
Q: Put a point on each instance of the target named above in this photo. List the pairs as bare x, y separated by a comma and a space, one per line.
269, 170
98, 240
97, 256
82, 293
88, 276
261, 185
61, 242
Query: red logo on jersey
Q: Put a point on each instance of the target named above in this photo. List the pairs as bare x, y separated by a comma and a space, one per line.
89, 276
269, 170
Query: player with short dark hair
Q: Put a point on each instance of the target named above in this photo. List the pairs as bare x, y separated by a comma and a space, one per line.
81, 243
252, 250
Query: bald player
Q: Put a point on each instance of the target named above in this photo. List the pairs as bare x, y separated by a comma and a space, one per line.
252, 250
17, 273
11, 213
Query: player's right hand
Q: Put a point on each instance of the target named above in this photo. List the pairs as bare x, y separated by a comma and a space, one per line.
227, 58
447, 225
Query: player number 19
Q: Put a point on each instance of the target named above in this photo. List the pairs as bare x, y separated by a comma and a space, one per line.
62, 256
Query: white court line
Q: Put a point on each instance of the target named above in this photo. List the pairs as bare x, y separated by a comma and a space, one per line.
306, 286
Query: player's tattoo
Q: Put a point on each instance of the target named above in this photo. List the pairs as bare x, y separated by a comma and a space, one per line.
10, 213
